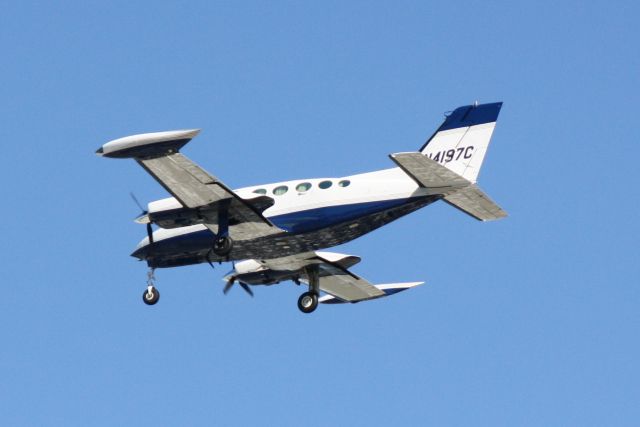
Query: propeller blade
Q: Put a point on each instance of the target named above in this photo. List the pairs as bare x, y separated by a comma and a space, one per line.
143, 218
228, 285
135, 200
150, 233
246, 288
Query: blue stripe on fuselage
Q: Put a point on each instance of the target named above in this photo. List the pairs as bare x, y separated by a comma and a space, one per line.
314, 219
295, 222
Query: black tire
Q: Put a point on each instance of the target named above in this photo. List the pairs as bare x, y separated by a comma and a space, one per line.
223, 246
308, 302
151, 299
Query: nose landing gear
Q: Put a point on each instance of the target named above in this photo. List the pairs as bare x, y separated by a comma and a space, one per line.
151, 295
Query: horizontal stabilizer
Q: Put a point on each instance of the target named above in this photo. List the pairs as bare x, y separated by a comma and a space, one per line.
471, 200
456, 190
388, 289
429, 173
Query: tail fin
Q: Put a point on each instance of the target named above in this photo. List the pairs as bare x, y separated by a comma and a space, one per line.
461, 142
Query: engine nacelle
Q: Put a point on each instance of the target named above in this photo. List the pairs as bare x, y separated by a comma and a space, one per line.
254, 273
248, 266
169, 213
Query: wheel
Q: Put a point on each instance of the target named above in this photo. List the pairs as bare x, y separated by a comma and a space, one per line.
150, 297
223, 246
308, 302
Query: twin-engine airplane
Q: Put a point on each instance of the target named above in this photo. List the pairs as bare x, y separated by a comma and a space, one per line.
275, 231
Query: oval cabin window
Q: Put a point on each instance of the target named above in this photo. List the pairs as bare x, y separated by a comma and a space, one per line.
305, 186
325, 184
279, 191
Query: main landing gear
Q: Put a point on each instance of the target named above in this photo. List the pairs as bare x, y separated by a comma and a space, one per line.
223, 243
308, 301
151, 295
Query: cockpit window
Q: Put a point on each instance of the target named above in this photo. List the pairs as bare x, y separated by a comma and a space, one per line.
344, 183
279, 191
260, 191
305, 186
325, 184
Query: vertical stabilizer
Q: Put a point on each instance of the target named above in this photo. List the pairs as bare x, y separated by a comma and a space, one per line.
461, 142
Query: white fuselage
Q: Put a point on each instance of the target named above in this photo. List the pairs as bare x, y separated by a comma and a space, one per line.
389, 185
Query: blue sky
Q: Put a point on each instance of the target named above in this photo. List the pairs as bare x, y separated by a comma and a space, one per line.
529, 321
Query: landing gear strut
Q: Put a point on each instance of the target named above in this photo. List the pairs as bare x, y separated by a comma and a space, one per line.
151, 295
223, 244
308, 301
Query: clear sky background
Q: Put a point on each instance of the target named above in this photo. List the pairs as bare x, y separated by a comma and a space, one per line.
529, 321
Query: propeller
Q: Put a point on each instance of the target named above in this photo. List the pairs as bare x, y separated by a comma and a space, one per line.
143, 218
230, 284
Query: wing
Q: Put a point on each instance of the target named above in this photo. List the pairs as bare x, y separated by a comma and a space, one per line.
334, 279
158, 153
195, 188
345, 285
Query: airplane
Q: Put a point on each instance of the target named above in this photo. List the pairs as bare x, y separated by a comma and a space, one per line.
278, 232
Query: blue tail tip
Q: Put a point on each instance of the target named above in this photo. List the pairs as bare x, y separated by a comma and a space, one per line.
471, 115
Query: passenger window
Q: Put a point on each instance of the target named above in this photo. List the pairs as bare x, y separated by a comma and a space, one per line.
279, 191
344, 183
305, 186
325, 184
260, 191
